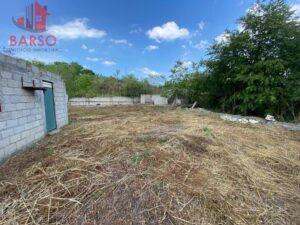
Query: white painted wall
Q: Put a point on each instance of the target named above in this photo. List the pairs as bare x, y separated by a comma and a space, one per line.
101, 101
159, 100
119, 100
154, 99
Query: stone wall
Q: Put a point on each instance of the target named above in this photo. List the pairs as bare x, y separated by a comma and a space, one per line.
22, 116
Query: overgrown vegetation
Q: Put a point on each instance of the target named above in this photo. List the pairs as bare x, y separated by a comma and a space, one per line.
81, 82
254, 70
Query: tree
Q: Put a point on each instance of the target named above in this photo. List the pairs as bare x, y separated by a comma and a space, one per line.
182, 77
84, 85
254, 70
133, 87
81, 82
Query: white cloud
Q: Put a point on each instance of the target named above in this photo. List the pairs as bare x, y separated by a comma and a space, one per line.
152, 48
136, 30
201, 25
256, 10
75, 29
120, 42
108, 63
296, 8
201, 44
84, 47
150, 73
240, 27
223, 38
93, 59
103, 62
187, 64
167, 32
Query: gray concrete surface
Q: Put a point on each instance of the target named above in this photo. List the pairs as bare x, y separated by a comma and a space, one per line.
119, 100
22, 116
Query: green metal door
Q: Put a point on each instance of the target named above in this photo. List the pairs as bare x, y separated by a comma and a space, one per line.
49, 107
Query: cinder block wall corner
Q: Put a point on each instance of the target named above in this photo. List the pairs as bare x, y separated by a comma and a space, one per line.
22, 115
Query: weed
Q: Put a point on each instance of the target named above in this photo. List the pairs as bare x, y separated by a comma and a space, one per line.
137, 157
208, 132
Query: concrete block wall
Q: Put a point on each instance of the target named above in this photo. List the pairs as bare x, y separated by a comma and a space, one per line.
102, 101
159, 100
146, 99
154, 99
119, 100
22, 116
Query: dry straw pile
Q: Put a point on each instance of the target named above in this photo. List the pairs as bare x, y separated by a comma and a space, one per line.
151, 165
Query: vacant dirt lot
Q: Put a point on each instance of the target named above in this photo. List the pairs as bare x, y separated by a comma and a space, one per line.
152, 165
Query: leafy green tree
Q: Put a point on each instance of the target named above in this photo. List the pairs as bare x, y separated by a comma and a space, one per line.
132, 87
81, 82
181, 80
84, 85
255, 67
254, 70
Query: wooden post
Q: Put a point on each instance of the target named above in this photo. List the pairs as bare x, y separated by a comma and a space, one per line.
194, 105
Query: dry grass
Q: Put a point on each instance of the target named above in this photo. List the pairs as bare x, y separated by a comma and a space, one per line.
152, 165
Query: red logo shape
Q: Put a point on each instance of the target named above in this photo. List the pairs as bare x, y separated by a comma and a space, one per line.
35, 19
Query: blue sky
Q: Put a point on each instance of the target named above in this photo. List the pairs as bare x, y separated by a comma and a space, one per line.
144, 37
